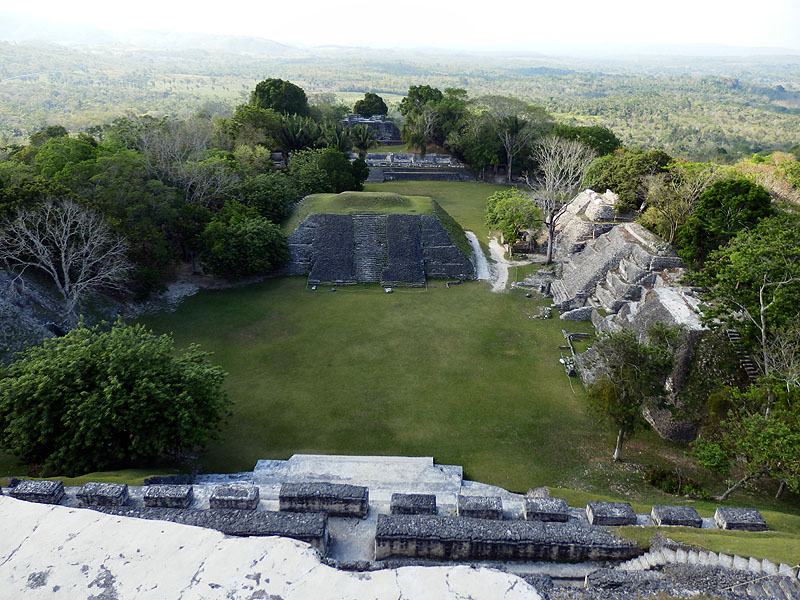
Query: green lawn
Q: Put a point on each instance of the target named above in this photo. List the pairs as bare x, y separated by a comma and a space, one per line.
348, 203
461, 374
465, 202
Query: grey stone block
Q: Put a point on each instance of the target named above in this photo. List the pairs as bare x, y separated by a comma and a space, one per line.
610, 513
234, 495
768, 567
753, 565
725, 561
311, 528
168, 496
480, 507
739, 563
546, 509
685, 516
103, 494
785, 570
744, 519
413, 504
331, 498
43, 492
464, 538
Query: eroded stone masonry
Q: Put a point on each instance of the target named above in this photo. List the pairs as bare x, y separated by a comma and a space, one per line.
369, 514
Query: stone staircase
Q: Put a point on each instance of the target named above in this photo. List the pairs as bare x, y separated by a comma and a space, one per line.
745, 361
369, 239
771, 581
376, 175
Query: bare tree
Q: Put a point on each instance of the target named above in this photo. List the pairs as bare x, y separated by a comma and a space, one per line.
72, 245
783, 349
675, 196
562, 168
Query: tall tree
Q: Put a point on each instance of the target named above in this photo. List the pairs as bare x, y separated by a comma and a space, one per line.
372, 104
517, 124
562, 166
72, 245
363, 139
281, 96
724, 209
632, 373
511, 211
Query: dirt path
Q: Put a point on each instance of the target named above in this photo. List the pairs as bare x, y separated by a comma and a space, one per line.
501, 264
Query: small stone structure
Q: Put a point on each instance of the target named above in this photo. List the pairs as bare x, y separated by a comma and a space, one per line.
464, 538
683, 516
413, 504
392, 249
311, 528
234, 495
43, 492
610, 513
168, 496
331, 498
743, 519
386, 132
480, 507
546, 509
103, 494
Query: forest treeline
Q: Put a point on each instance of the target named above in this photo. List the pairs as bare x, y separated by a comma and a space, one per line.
698, 111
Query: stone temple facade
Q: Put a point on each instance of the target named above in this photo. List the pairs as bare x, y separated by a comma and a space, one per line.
375, 248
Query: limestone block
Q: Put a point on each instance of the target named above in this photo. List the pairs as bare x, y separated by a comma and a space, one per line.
713, 559
692, 558
599, 211
745, 519
685, 516
702, 558
43, 492
610, 513
332, 498
546, 509
740, 563
234, 495
168, 496
669, 555
681, 556
725, 561
768, 567
480, 507
413, 504
583, 313
753, 565
103, 494
785, 570
790, 587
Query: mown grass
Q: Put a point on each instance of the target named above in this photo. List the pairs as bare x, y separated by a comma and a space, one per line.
348, 203
460, 374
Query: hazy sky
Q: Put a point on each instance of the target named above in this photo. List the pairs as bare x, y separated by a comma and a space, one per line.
518, 24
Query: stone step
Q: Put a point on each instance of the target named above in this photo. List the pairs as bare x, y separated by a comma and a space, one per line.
773, 589
790, 587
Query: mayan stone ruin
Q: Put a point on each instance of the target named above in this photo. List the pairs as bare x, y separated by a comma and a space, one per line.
391, 249
373, 515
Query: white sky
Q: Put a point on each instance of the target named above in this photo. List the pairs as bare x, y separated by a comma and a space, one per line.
505, 24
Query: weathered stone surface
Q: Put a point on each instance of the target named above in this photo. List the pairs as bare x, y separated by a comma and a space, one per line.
332, 498
307, 527
43, 492
168, 496
234, 496
610, 513
480, 507
464, 538
684, 516
103, 494
413, 504
393, 249
746, 519
546, 509
85, 554
386, 132
583, 313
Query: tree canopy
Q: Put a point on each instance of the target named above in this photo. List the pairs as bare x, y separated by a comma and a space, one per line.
94, 400
511, 211
281, 96
724, 209
372, 104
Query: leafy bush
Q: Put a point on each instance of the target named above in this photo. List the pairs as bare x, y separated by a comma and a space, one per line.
672, 482
95, 400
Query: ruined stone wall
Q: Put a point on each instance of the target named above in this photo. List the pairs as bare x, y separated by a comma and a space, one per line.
370, 248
